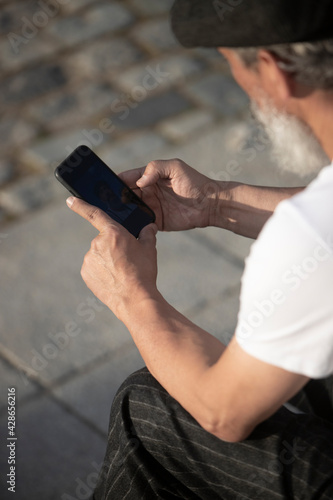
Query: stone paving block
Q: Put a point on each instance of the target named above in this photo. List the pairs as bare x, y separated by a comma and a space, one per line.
50, 108
56, 454
72, 6
96, 98
47, 153
31, 83
10, 21
133, 151
155, 35
190, 273
219, 316
70, 109
3, 215
17, 54
56, 326
221, 93
102, 58
150, 111
99, 20
100, 385
15, 131
185, 126
6, 171
28, 194
159, 73
151, 7
237, 246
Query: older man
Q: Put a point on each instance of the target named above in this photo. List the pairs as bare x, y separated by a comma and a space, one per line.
206, 421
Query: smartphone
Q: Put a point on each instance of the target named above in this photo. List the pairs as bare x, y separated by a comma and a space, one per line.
87, 177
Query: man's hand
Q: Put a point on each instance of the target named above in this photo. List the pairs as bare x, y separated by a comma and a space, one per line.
118, 268
181, 197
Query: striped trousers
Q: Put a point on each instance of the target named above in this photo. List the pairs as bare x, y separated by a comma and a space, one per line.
156, 450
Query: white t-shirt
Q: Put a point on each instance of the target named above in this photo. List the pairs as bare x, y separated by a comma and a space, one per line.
286, 309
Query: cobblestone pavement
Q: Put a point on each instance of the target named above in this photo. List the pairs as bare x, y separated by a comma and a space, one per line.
106, 73
111, 75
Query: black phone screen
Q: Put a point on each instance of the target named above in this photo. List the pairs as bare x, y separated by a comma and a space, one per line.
86, 176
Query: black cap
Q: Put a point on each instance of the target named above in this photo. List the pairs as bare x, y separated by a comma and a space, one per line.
251, 23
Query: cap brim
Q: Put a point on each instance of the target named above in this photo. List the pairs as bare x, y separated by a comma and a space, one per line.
240, 23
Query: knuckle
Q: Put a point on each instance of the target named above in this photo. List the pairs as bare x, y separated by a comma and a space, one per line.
152, 163
94, 245
153, 166
83, 272
111, 231
93, 214
86, 260
178, 162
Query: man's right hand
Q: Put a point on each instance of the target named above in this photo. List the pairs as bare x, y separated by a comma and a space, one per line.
181, 197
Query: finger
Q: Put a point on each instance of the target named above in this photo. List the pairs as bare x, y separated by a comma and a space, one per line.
148, 234
131, 176
99, 219
155, 170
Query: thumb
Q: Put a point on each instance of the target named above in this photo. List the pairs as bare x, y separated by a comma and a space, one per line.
155, 170
148, 234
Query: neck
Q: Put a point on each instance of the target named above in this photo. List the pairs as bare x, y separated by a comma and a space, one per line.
319, 116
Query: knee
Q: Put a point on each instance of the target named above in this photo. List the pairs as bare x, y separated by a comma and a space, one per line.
137, 385
142, 407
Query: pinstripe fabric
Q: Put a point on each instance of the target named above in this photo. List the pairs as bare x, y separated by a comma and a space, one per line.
156, 450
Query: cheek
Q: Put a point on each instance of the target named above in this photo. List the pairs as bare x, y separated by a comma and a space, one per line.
245, 82
246, 79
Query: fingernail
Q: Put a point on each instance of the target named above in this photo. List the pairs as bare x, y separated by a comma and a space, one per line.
70, 201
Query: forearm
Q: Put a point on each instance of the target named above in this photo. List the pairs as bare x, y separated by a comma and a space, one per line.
244, 209
176, 352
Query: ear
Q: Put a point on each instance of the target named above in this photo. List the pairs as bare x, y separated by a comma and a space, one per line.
276, 82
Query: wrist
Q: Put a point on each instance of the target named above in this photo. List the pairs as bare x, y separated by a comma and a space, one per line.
221, 204
135, 303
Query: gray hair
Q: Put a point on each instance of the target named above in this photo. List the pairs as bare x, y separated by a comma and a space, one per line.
311, 63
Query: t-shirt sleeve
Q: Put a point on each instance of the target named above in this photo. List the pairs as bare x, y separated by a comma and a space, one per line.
286, 306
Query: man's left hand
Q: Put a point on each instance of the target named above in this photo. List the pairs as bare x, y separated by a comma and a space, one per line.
118, 268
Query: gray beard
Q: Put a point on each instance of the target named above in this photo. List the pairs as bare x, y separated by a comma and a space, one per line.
294, 146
